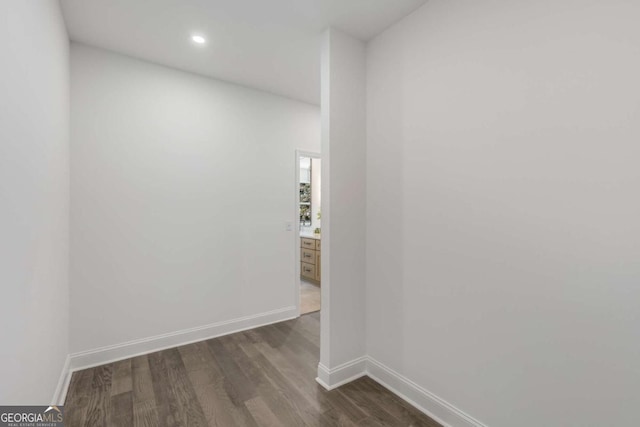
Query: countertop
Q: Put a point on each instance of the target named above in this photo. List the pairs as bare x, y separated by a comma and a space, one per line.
310, 235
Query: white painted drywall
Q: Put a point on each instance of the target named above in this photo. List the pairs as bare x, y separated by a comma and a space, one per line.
181, 189
34, 200
503, 231
343, 199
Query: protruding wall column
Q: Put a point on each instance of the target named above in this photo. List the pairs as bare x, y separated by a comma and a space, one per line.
343, 104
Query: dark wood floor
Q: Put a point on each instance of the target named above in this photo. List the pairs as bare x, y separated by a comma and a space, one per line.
261, 377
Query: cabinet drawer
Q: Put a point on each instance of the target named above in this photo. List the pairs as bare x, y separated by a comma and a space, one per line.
307, 243
308, 270
307, 255
317, 245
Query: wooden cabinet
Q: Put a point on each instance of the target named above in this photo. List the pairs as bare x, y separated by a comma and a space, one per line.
308, 271
308, 256
310, 259
308, 243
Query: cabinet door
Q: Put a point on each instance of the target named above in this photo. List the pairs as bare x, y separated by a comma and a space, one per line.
318, 269
307, 255
308, 243
308, 270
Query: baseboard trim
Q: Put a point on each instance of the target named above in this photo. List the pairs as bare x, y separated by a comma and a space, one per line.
330, 378
126, 350
422, 399
341, 374
60, 394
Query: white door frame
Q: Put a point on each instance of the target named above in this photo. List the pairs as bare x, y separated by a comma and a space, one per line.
296, 230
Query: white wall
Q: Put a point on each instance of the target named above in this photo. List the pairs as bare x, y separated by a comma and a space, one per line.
343, 202
182, 187
503, 212
34, 200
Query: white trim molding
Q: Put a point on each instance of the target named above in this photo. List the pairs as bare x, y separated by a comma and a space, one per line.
341, 374
422, 399
126, 350
330, 378
60, 394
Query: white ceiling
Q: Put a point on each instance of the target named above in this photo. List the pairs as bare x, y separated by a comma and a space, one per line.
273, 45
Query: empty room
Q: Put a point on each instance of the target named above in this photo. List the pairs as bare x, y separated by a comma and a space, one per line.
319, 213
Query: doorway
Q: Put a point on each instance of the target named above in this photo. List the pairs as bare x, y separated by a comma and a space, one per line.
308, 242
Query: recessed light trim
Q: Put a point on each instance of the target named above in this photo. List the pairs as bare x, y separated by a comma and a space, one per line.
198, 39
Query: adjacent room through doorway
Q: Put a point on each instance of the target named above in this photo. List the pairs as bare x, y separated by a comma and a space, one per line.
310, 214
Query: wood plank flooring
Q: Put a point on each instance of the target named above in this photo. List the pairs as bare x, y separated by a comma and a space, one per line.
261, 377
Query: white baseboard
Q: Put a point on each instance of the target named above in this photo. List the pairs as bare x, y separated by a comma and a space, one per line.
341, 374
330, 378
113, 353
419, 397
422, 399
60, 393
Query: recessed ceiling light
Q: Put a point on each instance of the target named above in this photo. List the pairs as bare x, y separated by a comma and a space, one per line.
198, 39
